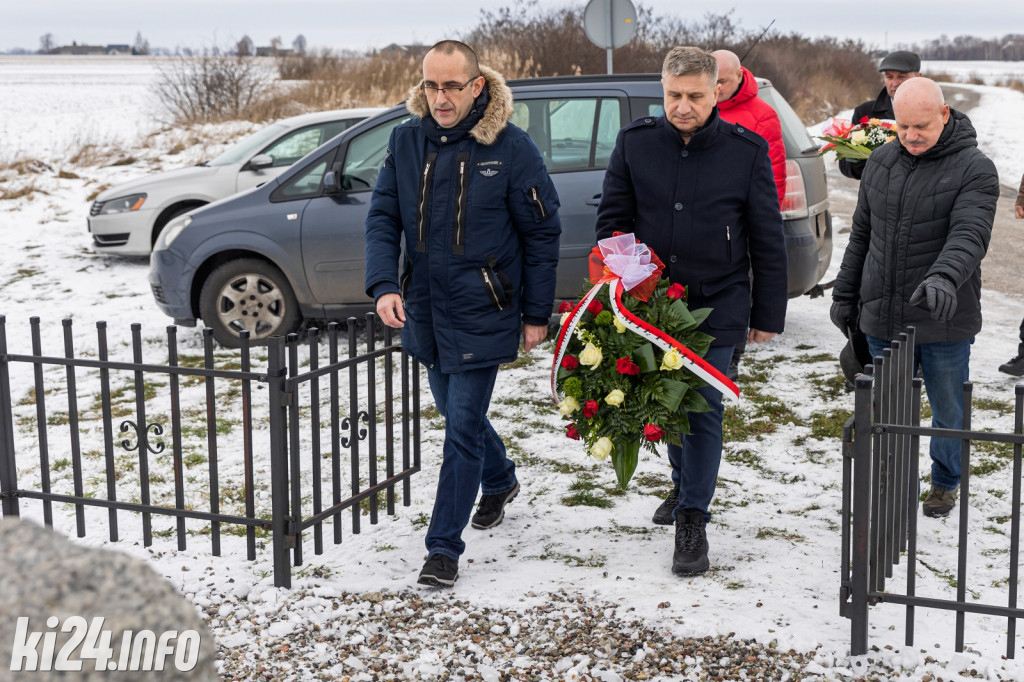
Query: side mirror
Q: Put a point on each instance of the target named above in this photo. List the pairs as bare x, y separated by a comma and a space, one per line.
260, 161
332, 180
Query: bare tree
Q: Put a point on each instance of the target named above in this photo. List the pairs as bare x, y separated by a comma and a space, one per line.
46, 44
299, 44
141, 45
210, 89
245, 47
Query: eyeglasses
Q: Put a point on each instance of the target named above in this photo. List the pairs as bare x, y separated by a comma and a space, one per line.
433, 90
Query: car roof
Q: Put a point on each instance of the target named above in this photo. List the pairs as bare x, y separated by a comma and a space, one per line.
332, 115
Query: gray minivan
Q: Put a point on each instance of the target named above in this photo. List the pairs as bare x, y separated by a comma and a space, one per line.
292, 249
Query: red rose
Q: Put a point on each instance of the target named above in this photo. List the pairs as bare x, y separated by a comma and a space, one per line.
590, 408
626, 366
566, 307
571, 432
570, 362
676, 291
653, 433
863, 119
595, 307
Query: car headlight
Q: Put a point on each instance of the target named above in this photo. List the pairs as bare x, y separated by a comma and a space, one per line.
171, 231
132, 202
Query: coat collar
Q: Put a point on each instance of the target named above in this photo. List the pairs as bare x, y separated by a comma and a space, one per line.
489, 116
703, 138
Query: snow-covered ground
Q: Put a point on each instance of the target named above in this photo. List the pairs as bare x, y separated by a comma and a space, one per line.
775, 533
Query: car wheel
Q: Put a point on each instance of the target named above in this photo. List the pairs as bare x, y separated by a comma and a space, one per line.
248, 294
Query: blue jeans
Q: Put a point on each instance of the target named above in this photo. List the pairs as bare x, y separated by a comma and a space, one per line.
474, 455
695, 463
945, 366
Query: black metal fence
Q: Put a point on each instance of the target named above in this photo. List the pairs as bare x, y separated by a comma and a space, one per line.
881, 445
332, 434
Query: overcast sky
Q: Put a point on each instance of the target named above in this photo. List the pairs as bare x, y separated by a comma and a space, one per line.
375, 23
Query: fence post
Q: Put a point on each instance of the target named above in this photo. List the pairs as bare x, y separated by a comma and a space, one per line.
281, 518
862, 498
8, 470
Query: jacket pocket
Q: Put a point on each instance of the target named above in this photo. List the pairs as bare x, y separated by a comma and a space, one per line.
497, 285
535, 200
403, 281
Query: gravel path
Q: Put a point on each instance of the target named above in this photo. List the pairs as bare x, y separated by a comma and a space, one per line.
408, 635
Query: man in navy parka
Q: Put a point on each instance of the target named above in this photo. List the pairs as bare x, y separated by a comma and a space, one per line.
479, 215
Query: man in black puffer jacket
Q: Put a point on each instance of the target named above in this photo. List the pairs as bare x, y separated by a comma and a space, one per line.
922, 225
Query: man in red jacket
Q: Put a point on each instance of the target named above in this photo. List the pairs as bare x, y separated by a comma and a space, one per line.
739, 103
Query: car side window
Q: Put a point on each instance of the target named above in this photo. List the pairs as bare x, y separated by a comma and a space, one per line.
331, 129
306, 184
293, 147
571, 134
365, 156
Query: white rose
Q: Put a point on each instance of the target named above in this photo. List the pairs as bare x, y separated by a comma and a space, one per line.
615, 398
591, 356
858, 137
565, 316
602, 448
619, 327
672, 360
568, 406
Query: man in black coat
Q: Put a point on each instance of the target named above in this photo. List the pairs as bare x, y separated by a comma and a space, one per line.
700, 193
896, 67
922, 225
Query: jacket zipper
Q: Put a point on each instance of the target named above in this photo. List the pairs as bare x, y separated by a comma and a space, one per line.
535, 198
458, 236
728, 242
894, 299
421, 206
492, 289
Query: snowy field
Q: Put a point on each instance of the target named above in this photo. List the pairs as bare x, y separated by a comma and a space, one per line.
774, 536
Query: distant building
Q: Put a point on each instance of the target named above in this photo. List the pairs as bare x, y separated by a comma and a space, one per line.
79, 50
119, 49
273, 52
394, 49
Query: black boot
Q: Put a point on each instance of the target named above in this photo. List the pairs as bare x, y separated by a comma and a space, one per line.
663, 514
691, 555
1015, 367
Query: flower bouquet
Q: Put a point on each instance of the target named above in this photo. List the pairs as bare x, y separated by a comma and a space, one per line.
855, 142
626, 368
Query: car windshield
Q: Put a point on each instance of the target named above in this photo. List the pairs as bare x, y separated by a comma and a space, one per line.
248, 146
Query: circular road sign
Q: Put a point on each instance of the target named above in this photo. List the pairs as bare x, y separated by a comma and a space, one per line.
609, 23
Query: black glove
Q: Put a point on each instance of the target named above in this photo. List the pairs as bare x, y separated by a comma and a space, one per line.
844, 316
939, 294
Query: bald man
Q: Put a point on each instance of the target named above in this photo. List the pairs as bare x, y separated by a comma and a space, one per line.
739, 103
921, 227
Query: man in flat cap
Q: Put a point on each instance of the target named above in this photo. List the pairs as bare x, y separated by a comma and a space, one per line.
896, 67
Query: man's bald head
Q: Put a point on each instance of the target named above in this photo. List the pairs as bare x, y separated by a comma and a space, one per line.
729, 75
921, 114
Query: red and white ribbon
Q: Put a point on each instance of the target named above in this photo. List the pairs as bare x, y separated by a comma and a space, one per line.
614, 280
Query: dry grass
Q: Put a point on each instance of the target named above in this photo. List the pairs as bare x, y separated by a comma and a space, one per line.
29, 189
1014, 83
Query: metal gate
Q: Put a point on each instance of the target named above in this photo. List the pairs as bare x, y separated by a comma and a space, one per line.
192, 443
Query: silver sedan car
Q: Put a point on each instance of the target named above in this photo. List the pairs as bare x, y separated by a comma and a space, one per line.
127, 219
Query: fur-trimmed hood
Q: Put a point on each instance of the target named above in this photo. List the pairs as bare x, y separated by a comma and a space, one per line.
495, 117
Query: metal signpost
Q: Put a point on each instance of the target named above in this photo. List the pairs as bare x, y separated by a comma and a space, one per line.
609, 24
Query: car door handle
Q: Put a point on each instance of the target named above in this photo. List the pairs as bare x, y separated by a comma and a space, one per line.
596, 201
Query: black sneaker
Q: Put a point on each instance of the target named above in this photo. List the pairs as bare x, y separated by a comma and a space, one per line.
491, 509
663, 514
1015, 367
939, 502
439, 571
691, 554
